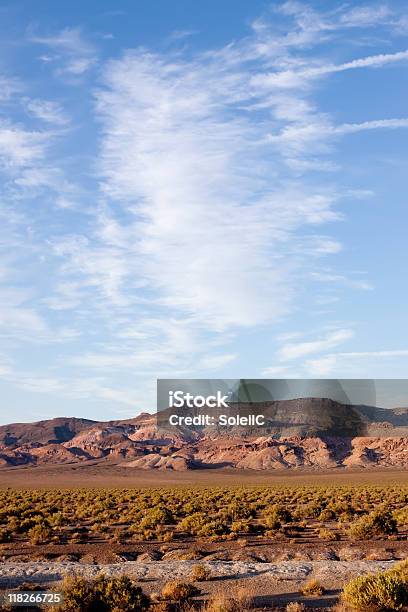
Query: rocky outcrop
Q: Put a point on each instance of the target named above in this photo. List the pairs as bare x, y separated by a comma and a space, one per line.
55, 454
101, 441
284, 454
385, 452
159, 462
43, 432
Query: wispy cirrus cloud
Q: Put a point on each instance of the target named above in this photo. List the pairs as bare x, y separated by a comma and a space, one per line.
295, 350
9, 86
20, 147
363, 16
358, 363
48, 111
69, 51
304, 77
200, 185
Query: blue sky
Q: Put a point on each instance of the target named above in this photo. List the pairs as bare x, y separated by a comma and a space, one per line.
212, 189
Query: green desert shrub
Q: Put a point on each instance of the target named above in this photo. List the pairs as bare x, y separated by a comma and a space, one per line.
238, 511
383, 591
239, 600
326, 515
378, 522
103, 595
401, 516
214, 528
178, 591
327, 534
39, 534
275, 516
312, 588
56, 519
308, 511
241, 526
193, 523
78, 595
400, 569
200, 573
155, 517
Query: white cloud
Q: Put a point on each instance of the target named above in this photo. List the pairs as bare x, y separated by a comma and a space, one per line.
17, 317
295, 350
182, 34
351, 128
99, 267
279, 372
47, 111
71, 53
196, 178
214, 362
20, 147
375, 354
340, 279
9, 87
359, 364
322, 366
77, 389
363, 16
182, 348
303, 135
299, 138
288, 79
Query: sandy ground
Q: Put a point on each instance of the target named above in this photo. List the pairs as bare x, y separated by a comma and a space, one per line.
273, 583
105, 474
46, 572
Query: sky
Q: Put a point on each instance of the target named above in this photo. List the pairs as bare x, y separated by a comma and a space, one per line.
198, 189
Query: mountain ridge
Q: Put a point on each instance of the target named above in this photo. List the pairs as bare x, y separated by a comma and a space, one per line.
300, 433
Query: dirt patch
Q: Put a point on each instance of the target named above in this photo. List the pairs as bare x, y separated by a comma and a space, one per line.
90, 475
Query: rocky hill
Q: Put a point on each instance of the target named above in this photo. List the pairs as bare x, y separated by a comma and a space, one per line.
304, 433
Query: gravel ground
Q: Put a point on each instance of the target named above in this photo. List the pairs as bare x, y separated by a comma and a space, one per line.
334, 573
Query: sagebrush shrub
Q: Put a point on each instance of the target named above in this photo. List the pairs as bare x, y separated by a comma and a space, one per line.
200, 573
312, 588
400, 569
382, 591
179, 591
39, 534
327, 534
240, 600
103, 595
277, 515
378, 522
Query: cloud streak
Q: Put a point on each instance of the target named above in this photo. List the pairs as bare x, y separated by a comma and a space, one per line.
72, 55
296, 350
301, 78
